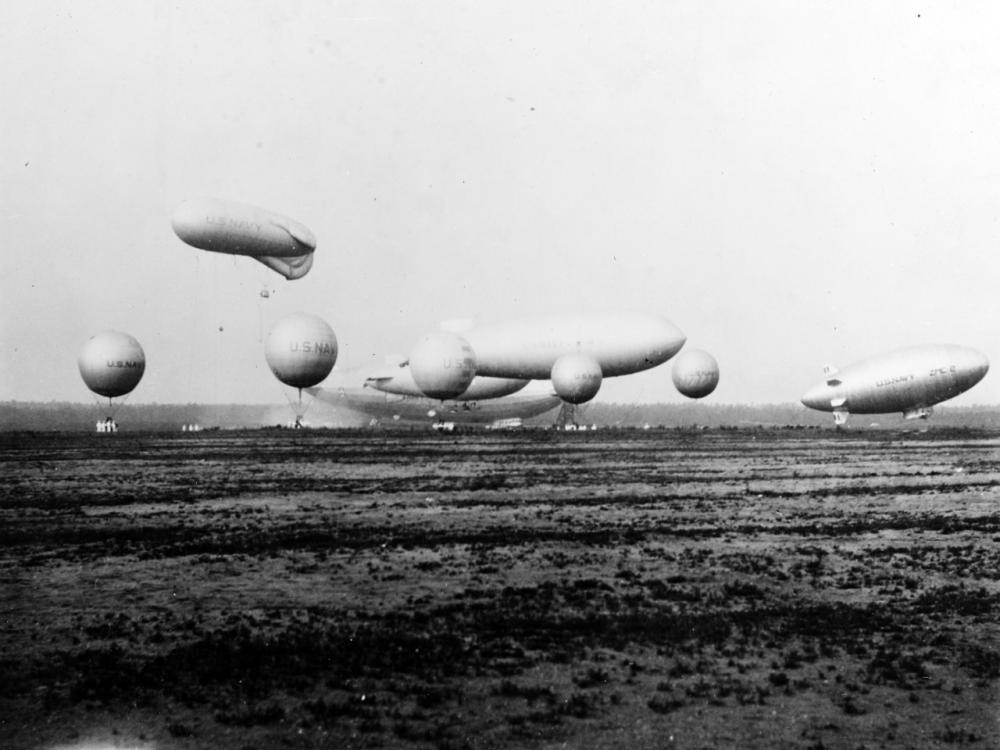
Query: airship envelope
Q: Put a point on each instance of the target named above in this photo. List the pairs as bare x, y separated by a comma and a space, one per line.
282, 244
910, 380
575, 351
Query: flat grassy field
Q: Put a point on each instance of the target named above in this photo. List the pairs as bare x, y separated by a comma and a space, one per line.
615, 589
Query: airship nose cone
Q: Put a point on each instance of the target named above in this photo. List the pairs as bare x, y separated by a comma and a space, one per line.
975, 369
187, 220
677, 342
816, 397
669, 338
981, 365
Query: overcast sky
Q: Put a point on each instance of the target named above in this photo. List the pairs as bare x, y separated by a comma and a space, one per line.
790, 183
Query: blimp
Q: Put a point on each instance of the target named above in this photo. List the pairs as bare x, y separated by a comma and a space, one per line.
396, 378
910, 380
375, 407
575, 351
282, 244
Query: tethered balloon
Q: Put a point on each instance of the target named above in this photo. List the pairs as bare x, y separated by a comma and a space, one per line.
301, 350
111, 365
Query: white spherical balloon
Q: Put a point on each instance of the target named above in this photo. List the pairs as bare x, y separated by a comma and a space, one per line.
576, 378
695, 373
301, 350
442, 365
112, 363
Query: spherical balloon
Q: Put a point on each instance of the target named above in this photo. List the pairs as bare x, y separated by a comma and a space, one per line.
112, 363
695, 373
301, 350
442, 365
576, 378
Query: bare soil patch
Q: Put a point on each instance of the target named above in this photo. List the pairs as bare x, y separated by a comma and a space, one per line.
669, 588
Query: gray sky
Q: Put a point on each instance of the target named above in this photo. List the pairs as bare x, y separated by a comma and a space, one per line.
790, 183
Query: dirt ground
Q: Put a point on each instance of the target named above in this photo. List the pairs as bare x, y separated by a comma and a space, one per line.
667, 588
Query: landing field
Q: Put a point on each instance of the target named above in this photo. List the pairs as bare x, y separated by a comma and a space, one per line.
675, 588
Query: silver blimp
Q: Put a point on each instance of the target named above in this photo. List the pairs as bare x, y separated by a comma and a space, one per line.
397, 379
282, 244
910, 380
379, 407
576, 352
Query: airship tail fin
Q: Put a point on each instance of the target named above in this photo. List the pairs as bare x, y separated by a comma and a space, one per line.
290, 268
298, 232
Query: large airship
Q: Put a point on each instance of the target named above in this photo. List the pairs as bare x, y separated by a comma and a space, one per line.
910, 380
397, 379
376, 407
575, 352
282, 244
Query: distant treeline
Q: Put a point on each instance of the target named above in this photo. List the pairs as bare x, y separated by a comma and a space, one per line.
62, 415
171, 417
773, 415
